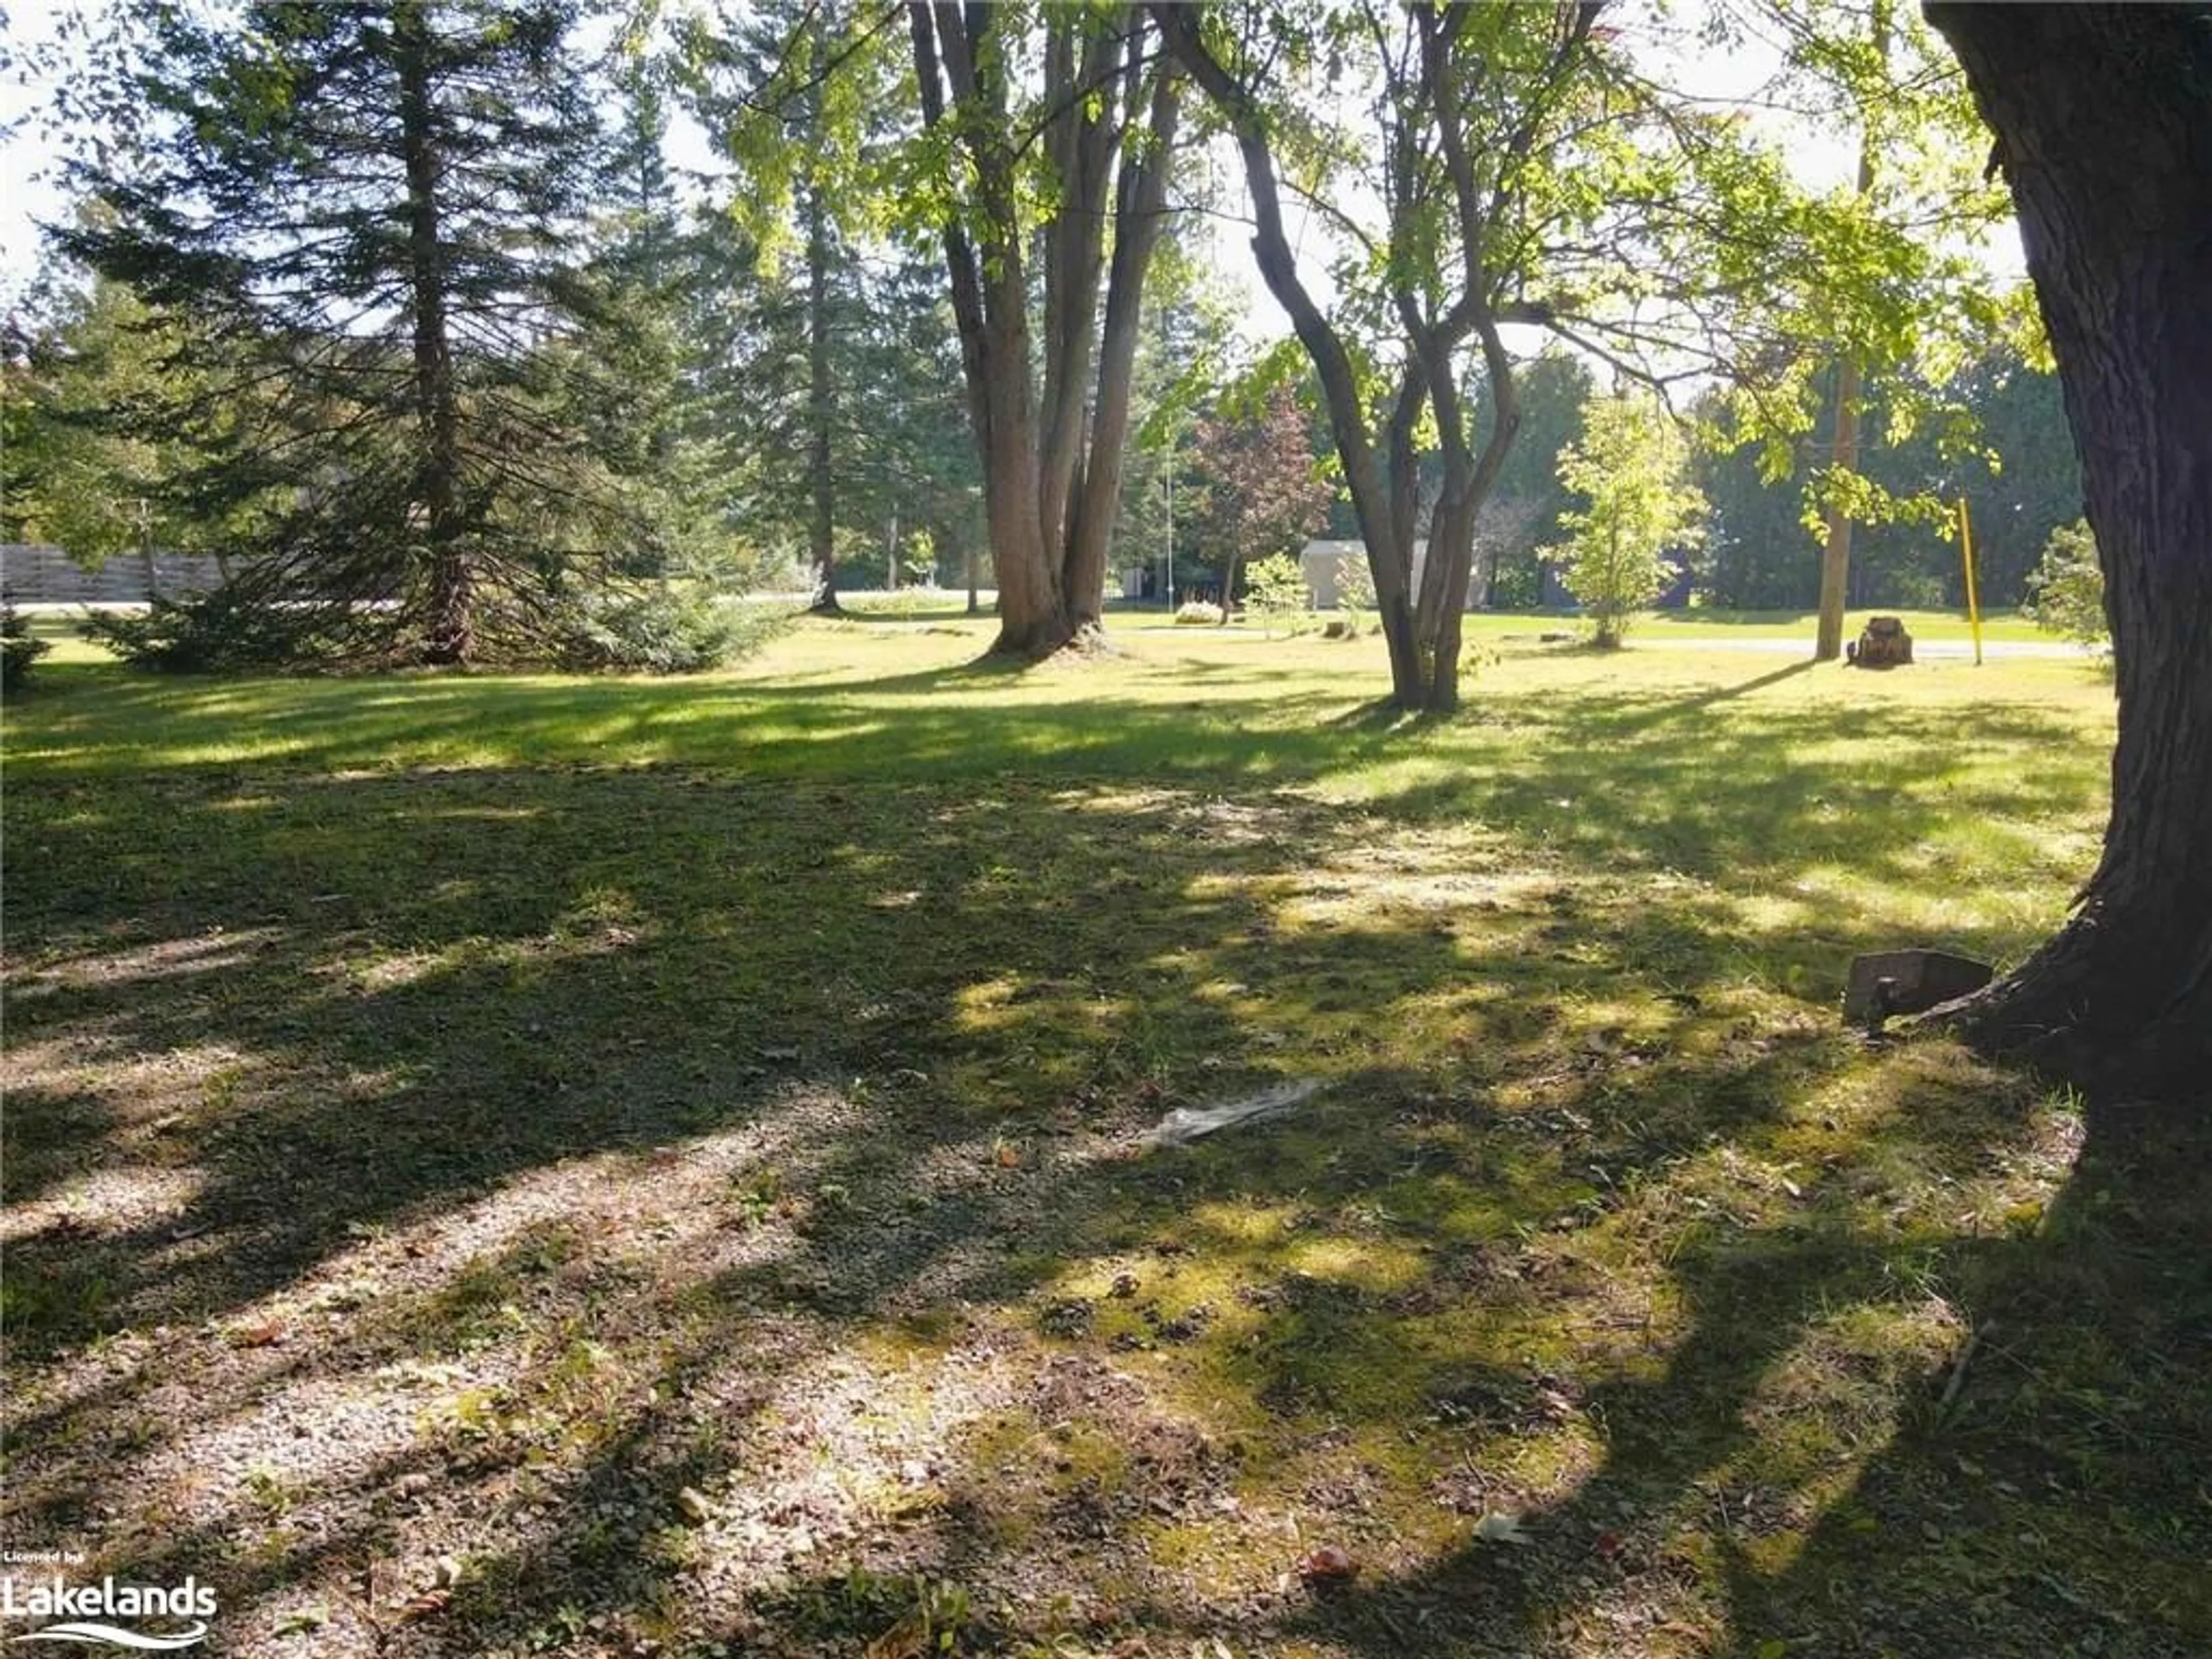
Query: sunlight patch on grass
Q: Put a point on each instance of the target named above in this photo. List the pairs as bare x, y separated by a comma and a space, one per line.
730, 1087
1371, 1264
109, 1202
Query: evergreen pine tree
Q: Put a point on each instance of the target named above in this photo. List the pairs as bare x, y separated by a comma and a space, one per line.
376, 209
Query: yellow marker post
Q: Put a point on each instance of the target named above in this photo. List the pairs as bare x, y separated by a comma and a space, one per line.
1974, 603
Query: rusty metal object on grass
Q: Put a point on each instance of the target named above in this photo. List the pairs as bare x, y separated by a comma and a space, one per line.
1889, 982
1883, 643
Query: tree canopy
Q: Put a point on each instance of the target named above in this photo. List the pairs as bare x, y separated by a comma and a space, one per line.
399, 309
1629, 468
1478, 168
373, 216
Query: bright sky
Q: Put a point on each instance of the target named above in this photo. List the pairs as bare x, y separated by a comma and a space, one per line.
30, 194
33, 195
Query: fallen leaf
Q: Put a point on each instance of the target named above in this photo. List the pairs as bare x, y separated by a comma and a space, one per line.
1496, 1527
695, 1505
428, 1602
907, 1639
1327, 1565
267, 1333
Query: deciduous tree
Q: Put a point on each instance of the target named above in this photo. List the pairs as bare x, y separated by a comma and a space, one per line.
1077, 176
1259, 492
1529, 169
2103, 118
85, 470
1464, 97
1629, 467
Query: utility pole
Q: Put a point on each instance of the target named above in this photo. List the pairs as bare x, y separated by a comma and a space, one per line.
1171, 463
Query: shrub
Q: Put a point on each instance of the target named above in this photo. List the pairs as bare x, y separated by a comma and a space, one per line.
2066, 589
671, 632
900, 601
1276, 589
1198, 613
921, 560
1355, 593
229, 630
18, 650
222, 631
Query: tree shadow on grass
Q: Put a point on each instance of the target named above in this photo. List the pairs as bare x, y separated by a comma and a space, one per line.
648, 1097
2042, 1492
1696, 1477
1681, 707
1775, 795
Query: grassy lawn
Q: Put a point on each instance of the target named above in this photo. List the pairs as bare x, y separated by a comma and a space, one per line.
2008, 626
505, 1165
1678, 627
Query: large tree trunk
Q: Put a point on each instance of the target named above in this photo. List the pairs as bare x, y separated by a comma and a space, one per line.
451, 632
1081, 135
1468, 479
1033, 618
2104, 122
1049, 491
1139, 212
990, 302
1363, 477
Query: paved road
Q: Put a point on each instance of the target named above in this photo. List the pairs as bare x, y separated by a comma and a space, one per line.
1947, 650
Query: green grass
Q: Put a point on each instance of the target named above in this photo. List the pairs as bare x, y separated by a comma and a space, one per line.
1945, 625
667, 1148
1698, 623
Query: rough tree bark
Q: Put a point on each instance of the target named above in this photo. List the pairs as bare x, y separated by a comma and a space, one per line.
450, 632
2102, 117
1051, 456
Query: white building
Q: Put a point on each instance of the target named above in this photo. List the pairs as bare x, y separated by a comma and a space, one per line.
1322, 560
